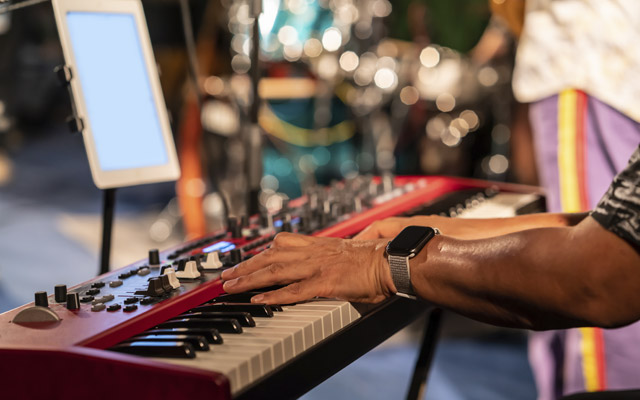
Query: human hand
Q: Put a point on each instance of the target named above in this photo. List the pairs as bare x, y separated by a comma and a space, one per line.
454, 227
385, 228
352, 270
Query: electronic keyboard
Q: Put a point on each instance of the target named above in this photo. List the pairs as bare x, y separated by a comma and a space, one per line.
164, 328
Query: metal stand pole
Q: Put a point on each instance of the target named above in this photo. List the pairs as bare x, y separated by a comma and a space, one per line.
108, 206
423, 364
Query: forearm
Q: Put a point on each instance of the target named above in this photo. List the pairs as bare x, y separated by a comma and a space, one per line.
490, 227
539, 279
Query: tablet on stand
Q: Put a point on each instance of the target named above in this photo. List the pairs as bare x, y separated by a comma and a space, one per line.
116, 91
117, 98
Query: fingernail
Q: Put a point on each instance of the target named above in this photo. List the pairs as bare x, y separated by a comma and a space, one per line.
229, 284
257, 299
226, 273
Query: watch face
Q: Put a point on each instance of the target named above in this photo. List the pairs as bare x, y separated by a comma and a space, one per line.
410, 240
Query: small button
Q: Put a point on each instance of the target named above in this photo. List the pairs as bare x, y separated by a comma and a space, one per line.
114, 307
130, 308
115, 283
123, 276
98, 307
131, 300
86, 299
146, 300
144, 271
97, 285
92, 292
103, 299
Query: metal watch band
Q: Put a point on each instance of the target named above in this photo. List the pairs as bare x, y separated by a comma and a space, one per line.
400, 274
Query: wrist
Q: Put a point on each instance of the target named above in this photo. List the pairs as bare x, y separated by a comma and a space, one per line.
387, 287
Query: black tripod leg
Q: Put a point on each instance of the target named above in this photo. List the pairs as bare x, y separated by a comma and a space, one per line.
423, 364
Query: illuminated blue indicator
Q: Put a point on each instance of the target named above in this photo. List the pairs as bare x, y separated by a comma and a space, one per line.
294, 221
220, 246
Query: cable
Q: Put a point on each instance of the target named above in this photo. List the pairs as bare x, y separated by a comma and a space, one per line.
190, 44
108, 206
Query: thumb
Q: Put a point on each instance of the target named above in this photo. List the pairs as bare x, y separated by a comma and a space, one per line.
370, 232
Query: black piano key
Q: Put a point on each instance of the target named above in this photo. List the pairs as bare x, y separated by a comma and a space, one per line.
244, 318
235, 297
223, 325
276, 307
157, 349
256, 310
269, 288
211, 335
199, 343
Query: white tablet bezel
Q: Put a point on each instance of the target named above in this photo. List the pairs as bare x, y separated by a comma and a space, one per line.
125, 177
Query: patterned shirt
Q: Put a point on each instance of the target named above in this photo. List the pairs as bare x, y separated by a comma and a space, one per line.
591, 45
619, 209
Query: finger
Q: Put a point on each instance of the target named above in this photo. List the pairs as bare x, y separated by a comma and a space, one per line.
287, 239
293, 293
374, 230
368, 233
269, 256
273, 274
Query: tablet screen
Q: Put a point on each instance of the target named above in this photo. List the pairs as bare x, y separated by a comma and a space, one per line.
109, 62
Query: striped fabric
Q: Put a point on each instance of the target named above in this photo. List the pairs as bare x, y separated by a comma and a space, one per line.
572, 169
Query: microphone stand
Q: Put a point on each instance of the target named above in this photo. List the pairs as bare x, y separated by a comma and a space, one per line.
253, 135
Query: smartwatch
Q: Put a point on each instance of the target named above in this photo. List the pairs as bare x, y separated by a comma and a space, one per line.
401, 249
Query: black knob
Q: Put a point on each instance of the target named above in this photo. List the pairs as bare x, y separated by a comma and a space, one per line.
235, 256
154, 257
73, 301
264, 220
166, 285
182, 263
244, 221
41, 299
286, 226
197, 259
60, 293
155, 288
305, 224
234, 228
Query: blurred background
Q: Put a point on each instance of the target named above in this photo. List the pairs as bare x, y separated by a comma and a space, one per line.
347, 87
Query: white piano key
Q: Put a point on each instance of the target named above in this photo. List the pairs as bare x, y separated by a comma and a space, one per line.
319, 318
294, 344
324, 316
347, 311
275, 342
250, 367
305, 328
265, 346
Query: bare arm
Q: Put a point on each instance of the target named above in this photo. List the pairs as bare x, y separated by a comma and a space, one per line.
470, 228
540, 278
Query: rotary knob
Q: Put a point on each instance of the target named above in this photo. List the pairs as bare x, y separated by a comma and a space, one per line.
41, 299
73, 301
60, 293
